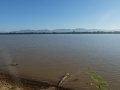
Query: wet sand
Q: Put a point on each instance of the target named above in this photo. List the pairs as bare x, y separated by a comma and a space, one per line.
11, 82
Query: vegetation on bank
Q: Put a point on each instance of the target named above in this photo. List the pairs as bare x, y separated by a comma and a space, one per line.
94, 32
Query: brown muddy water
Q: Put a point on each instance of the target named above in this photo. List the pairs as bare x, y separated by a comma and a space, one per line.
47, 57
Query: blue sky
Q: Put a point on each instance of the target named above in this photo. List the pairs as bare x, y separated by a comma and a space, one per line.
59, 14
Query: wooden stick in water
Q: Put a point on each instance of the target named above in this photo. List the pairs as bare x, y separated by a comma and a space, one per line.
77, 74
13, 63
63, 78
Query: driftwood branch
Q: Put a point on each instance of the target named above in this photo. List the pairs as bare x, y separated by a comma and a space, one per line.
63, 78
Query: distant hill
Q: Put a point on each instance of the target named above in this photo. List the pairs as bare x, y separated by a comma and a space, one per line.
28, 31
60, 30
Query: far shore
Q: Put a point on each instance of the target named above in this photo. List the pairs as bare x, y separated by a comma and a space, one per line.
94, 32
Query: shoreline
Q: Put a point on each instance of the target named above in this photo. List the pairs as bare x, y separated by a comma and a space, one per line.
11, 82
94, 32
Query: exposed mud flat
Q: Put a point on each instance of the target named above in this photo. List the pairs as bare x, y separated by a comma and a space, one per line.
11, 82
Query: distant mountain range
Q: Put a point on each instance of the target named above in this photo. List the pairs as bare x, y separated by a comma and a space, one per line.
63, 30
60, 30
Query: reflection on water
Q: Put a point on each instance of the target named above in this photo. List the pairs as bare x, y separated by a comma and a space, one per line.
48, 57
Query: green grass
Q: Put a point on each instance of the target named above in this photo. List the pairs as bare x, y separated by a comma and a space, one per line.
99, 83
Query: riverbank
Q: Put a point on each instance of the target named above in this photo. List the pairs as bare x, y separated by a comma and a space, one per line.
11, 82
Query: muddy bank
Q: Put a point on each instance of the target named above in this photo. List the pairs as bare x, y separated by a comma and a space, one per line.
11, 82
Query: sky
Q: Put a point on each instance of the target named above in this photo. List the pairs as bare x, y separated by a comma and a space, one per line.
59, 14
